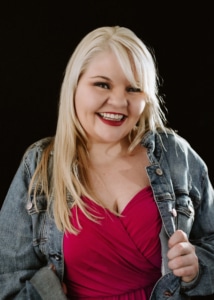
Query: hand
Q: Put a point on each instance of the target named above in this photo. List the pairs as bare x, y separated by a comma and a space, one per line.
64, 287
183, 260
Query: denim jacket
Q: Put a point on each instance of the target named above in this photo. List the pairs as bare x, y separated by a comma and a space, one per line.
30, 240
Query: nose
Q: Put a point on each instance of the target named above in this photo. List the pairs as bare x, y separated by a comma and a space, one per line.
118, 98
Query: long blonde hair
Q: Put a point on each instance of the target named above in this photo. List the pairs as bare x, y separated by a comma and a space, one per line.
69, 178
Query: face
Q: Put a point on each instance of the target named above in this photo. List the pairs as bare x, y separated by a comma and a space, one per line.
107, 106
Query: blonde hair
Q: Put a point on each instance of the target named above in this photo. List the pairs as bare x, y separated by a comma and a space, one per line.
70, 160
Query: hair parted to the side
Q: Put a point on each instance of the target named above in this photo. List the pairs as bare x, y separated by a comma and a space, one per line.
70, 157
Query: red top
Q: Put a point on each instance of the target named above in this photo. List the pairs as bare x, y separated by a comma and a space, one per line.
117, 259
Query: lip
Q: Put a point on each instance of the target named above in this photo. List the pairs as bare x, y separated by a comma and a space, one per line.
112, 122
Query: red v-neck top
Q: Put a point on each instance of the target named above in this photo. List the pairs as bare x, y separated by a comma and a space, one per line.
117, 259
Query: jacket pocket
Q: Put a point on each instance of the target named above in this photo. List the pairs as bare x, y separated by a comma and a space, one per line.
185, 213
38, 211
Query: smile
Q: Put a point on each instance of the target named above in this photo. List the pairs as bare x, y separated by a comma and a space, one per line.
111, 116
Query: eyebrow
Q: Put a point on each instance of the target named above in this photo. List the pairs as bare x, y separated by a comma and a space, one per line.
101, 76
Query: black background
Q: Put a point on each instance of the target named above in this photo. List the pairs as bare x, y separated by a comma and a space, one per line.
37, 39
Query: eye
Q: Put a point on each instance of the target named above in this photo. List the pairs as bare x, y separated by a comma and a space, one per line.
133, 90
103, 85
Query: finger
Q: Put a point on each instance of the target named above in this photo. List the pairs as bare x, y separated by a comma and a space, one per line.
52, 267
185, 266
177, 237
184, 261
64, 287
180, 249
186, 272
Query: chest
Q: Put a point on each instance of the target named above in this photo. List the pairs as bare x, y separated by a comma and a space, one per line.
117, 183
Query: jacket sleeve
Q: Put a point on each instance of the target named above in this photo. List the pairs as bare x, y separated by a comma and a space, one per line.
202, 237
201, 234
24, 272
195, 211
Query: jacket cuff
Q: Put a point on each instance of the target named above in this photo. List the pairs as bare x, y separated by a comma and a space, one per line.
47, 284
190, 285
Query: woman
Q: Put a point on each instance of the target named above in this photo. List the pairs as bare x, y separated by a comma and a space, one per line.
116, 205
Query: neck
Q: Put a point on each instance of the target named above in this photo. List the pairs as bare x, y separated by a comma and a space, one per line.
107, 152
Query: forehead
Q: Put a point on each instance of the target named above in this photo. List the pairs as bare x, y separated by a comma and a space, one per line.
104, 64
115, 64
107, 63
103, 59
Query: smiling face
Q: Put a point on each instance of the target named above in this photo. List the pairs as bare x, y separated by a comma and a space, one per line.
107, 105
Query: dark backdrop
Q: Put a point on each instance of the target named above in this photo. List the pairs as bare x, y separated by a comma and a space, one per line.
38, 38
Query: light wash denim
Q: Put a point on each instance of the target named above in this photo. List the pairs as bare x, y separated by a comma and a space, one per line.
30, 241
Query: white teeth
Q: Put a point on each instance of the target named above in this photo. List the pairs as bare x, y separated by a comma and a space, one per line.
108, 116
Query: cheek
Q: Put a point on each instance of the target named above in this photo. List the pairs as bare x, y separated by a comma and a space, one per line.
77, 108
86, 101
80, 102
77, 101
139, 107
